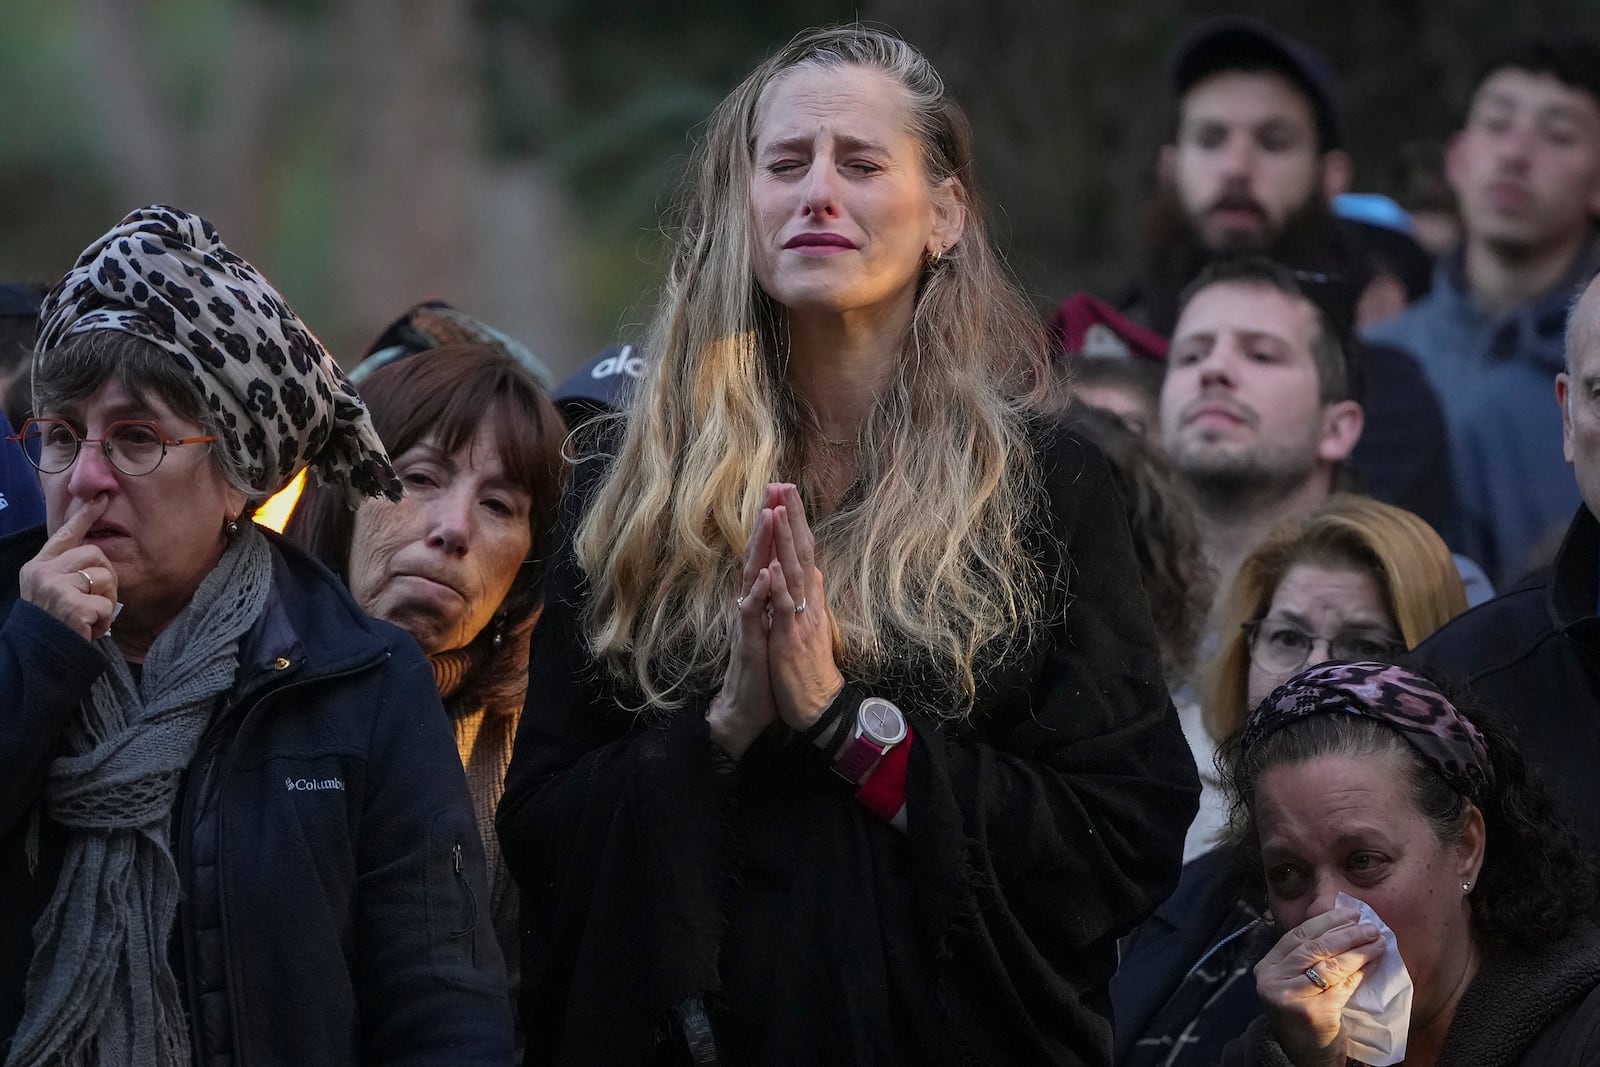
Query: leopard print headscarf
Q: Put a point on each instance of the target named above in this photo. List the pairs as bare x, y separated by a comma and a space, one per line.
280, 399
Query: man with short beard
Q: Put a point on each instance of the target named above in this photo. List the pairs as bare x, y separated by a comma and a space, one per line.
1254, 162
1256, 155
1525, 167
1257, 409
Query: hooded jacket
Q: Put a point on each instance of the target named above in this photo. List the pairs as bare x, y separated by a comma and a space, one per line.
332, 875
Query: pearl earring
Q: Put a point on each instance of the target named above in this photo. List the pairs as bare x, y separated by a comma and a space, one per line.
1466, 887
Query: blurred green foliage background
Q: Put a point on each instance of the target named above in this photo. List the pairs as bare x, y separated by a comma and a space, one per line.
514, 156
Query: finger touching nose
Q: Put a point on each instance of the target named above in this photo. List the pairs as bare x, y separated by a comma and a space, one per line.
1322, 901
91, 473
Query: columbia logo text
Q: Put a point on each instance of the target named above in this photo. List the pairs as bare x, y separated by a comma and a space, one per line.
307, 785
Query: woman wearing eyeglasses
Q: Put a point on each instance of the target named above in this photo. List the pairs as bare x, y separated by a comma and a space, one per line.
1352, 580
232, 824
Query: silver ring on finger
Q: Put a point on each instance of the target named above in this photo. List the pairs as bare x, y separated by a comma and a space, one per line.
90, 580
1315, 979
800, 608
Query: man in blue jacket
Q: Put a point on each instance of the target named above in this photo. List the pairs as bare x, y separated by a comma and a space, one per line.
1526, 169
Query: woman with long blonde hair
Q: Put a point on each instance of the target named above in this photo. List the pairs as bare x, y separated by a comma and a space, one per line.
846, 738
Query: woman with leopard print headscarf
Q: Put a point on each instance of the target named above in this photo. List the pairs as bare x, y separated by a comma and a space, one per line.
231, 828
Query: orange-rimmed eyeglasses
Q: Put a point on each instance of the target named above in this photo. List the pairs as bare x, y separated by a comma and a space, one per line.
134, 446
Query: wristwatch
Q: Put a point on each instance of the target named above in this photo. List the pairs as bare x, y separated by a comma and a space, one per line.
879, 727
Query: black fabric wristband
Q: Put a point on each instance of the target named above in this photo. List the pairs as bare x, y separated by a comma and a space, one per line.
847, 724
830, 714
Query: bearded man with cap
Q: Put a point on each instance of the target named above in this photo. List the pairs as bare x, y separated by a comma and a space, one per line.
232, 825
1255, 155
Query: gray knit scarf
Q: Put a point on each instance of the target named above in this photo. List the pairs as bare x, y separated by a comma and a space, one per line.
101, 990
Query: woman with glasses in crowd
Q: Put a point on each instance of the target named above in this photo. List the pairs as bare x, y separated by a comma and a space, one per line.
1363, 784
1353, 579
846, 738
232, 826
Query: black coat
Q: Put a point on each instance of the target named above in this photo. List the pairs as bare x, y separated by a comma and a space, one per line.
332, 873
1533, 654
1038, 832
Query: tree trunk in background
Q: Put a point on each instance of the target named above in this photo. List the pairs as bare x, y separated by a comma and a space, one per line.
216, 165
525, 284
418, 210
403, 85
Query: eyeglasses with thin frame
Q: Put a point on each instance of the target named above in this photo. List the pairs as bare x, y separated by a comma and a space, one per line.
1279, 647
133, 446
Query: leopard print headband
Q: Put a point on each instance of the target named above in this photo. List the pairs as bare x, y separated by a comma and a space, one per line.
1407, 703
280, 399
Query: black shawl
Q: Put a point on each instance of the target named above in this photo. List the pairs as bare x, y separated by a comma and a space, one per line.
1039, 831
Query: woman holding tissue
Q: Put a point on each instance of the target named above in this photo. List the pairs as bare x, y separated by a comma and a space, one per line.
233, 827
1377, 815
846, 739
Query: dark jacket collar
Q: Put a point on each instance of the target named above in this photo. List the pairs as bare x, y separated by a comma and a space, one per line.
311, 623
1575, 578
311, 626
1516, 996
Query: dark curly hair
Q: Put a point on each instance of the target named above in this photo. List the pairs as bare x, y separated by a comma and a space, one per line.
1536, 879
1166, 540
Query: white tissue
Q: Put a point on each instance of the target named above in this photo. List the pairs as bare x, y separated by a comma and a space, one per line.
1377, 1017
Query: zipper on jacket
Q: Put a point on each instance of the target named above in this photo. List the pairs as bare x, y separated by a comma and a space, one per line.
1220, 945
247, 718
459, 863
182, 832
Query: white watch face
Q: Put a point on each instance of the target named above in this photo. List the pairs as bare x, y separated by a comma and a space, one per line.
882, 721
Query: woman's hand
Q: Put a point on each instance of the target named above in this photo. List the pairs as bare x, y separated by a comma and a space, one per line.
1305, 1017
744, 707
805, 678
71, 580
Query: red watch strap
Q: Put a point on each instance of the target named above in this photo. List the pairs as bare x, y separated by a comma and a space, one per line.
857, 758
884, 792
